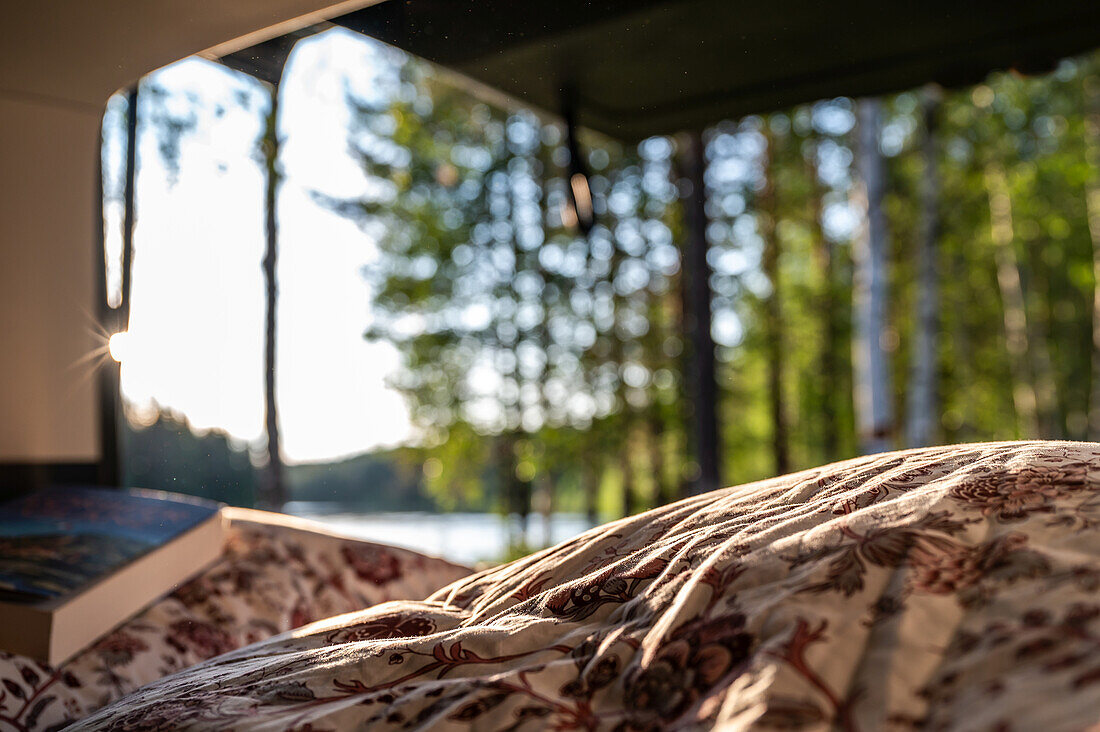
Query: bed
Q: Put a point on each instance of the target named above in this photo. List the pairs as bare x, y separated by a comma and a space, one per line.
941, 588
276, 573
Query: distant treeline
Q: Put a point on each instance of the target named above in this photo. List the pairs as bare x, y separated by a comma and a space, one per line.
381, 481
169, 455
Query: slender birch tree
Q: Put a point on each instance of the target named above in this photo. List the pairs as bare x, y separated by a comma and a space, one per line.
870, 358
922, 406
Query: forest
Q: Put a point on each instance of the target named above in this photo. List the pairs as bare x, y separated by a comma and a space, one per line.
887, 273
168, 453
881, 273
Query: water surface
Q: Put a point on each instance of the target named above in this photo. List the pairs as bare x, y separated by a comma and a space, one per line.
461, 537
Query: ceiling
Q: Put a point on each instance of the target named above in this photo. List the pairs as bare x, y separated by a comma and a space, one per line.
635, 68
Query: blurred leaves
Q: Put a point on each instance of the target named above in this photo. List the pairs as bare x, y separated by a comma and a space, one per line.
567, 350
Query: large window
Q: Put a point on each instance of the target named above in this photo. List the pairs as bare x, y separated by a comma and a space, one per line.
461, 368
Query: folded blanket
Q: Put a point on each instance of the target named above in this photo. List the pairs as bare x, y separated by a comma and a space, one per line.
943, 588
276, 573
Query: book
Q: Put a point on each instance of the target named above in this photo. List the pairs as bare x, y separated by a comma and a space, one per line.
76, 562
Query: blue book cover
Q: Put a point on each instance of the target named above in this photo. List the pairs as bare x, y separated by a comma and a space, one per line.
56, 542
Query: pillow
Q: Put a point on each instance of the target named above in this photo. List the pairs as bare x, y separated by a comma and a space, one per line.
942, 588
276, 573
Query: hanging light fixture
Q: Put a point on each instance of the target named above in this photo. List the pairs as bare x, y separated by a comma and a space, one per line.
579, 210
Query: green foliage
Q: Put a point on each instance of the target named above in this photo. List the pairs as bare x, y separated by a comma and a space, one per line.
380, 481
168, 455
526, 345
546, 367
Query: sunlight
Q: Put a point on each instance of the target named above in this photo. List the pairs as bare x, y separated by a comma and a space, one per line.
196, 278
119, 346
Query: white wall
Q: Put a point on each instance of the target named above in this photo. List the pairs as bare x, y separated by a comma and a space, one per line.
47, 281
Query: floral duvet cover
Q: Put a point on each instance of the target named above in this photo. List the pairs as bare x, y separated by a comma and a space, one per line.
942, 588
276, 573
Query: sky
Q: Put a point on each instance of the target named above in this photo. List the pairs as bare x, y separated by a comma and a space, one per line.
195, 340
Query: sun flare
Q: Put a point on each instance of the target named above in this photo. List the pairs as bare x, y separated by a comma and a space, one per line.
118, 345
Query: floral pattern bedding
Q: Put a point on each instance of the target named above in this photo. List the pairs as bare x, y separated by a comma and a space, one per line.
942, 588
276, 573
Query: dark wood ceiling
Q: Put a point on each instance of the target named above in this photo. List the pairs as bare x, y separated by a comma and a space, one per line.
635, 68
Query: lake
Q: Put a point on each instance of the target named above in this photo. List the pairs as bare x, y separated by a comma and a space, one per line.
461, 537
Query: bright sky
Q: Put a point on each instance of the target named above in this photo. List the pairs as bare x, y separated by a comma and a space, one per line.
196, 328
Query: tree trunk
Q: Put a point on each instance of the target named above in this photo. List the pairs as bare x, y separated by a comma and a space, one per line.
543, 503
504, 457
116, 319
874, 407
1092, 206
272, 489
964, 371
627, 415
922, 395
697, 319
523, 490
590, 479
1012, 299
1051, 415
519, 488
592, 470
681, 363
626, 466
130, 208
773, 316
655, 438
828, 358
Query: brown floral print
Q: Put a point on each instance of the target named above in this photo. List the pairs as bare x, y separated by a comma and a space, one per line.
948, 588
274, 576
